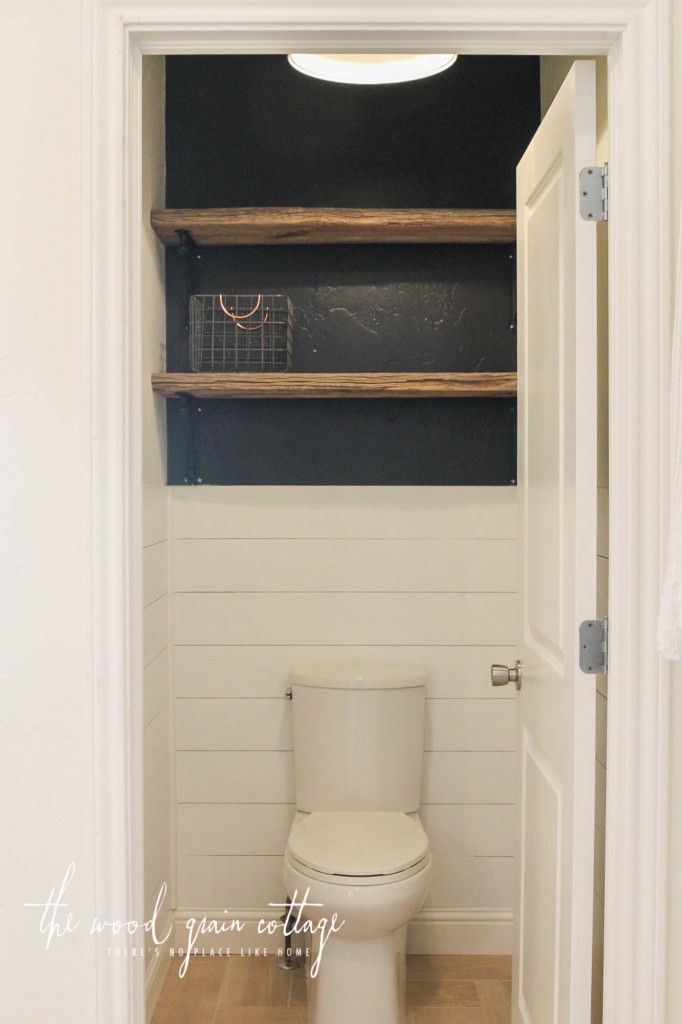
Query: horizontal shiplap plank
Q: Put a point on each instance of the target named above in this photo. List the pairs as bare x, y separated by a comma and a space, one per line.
154, 515
154, 630
268, 777
252, 882
222, 883
468, 882
154, 572
248, 777
262, 724
259, 671
469, 778
382, 512
233, 829
345, 618
233, 724
470, 725
471, 830
345, 565
155, 686
485, 830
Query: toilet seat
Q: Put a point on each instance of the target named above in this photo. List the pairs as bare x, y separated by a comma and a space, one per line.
358, 847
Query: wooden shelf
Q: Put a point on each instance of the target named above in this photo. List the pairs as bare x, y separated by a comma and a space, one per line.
327, 225
293, 225
335, 385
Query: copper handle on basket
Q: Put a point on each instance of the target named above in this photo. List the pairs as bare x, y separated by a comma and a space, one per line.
245, 316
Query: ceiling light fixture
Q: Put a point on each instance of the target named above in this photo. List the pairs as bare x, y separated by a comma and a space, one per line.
371, 68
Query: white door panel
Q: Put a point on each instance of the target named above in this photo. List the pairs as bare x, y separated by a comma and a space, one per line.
557, 481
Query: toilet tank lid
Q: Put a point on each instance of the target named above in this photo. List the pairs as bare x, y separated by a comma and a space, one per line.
358, 675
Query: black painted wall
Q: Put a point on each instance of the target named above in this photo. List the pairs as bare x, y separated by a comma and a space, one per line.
250, 131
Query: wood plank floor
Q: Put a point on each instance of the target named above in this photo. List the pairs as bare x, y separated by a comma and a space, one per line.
253, 990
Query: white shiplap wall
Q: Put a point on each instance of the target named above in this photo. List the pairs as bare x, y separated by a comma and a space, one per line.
269, 577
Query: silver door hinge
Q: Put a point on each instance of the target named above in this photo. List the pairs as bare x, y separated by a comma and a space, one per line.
594, 646
594, 193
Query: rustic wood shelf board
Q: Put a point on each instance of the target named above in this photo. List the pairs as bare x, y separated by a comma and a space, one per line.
331, 225
335, 385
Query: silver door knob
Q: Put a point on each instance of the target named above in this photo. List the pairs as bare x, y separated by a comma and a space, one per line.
500, 675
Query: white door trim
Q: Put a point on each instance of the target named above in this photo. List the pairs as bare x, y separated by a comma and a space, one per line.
635, 35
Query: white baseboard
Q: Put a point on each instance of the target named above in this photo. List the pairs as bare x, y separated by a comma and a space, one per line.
155, 976
474, 932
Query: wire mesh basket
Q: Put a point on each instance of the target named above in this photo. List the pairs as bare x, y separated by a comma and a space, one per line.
240, 333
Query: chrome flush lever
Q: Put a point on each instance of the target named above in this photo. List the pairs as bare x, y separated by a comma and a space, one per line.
500, 675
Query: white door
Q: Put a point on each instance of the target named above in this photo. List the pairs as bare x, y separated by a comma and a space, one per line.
557, 496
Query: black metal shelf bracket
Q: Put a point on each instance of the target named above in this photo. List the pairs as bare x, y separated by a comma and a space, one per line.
190, 412
189, 255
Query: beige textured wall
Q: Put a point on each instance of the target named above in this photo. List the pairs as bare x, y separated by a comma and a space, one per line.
45, 748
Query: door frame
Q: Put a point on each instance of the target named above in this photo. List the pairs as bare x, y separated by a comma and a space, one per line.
634, 34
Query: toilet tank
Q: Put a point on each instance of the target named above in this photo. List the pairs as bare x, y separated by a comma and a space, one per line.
358, 736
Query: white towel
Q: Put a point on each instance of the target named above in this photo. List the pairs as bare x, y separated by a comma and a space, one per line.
670, 613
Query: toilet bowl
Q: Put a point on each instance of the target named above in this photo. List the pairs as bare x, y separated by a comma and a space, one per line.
357, 853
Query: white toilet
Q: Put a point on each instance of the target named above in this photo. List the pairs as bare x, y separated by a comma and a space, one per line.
356, 842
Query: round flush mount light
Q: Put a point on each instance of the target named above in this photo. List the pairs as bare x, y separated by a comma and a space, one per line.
371, 68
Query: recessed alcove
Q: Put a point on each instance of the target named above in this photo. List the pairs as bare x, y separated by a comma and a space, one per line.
330, 526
